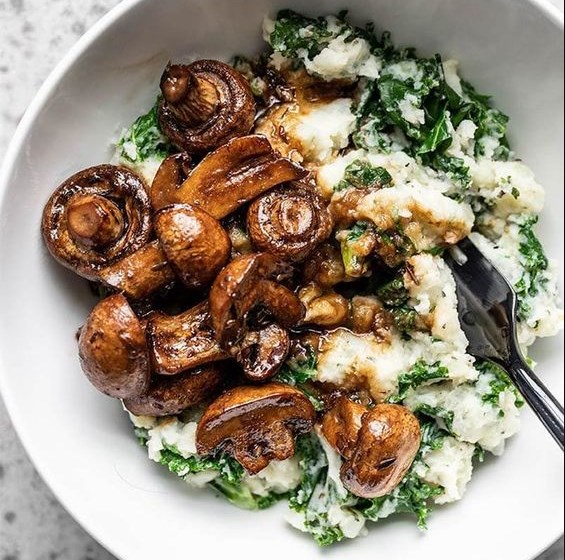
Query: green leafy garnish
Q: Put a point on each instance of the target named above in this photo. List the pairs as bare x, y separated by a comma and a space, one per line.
361, 174
499, 384
354, 262
421, 373
144, 139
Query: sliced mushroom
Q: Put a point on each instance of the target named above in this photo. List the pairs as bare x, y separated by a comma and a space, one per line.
192, 245
113, 350
377, 459
169, 396
204, 105
261, 353
171, 174
289, 222
325, 266
233, 175
183, 342
325, 308
97, 217
255, 425
244, 284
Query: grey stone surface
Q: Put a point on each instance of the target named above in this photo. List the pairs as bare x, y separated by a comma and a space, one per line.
34, 35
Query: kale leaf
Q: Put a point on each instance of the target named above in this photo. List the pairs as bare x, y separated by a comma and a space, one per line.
499, 384
144, 139
361, 174
421, 373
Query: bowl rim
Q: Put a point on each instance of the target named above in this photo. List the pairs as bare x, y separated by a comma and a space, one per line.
548, 9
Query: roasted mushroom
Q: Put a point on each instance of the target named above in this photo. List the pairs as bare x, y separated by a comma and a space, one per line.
184, 341
113, 350
192, 245
325, 266
204, 105
289, 222
168, 396
246, 283
172, 173
231, 176
255, 425
378, 445
96, 218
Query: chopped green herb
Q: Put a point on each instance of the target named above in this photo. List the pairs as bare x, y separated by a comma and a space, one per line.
361, 174
420, 374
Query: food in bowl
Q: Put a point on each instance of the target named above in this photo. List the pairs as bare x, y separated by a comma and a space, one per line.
275, 312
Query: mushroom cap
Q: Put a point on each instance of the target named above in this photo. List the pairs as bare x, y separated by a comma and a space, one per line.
204, 105
255, 425
387, 444
196, 245
95, 218
184, 341
243, 284
113, 350
231, 176
172, 173
341, 425
169, 396
289, 221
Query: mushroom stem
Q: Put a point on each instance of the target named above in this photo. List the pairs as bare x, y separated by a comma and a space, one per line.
191, 98
94, 221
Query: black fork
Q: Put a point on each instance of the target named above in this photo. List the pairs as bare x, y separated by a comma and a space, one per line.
487, 309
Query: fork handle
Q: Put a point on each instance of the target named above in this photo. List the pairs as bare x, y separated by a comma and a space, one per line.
548, 409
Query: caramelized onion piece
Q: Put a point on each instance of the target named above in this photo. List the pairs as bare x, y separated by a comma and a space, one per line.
289, 222
255, 425
204, 105
233, 175
169, 396
95, 218
183, 342
113, 350
324, 308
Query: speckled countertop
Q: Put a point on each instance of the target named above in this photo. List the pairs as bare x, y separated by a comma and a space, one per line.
34, 35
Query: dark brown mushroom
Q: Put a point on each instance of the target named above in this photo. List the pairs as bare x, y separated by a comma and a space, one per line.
244, 284
196, 245
369, 315
192, 245
289, 222
378, 446
204, 105
325, 266
169, 396
184, 341
234, 174
255, 425
97, 217
172, 173
113, 350
262, 352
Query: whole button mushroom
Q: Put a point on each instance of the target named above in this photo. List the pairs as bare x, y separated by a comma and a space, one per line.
96, 218
113, 350
182, 342
246, 283
255, 425
204, 105
289, 222
226, 179
169, 396
191, 245
378, 445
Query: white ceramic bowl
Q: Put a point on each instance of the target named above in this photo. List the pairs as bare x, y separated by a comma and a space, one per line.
81, 442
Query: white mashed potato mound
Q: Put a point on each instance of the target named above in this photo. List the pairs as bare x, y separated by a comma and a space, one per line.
325, 129
279, 477
342, 59
545, 318
508, 187
429, 219
450, 467
474, 421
